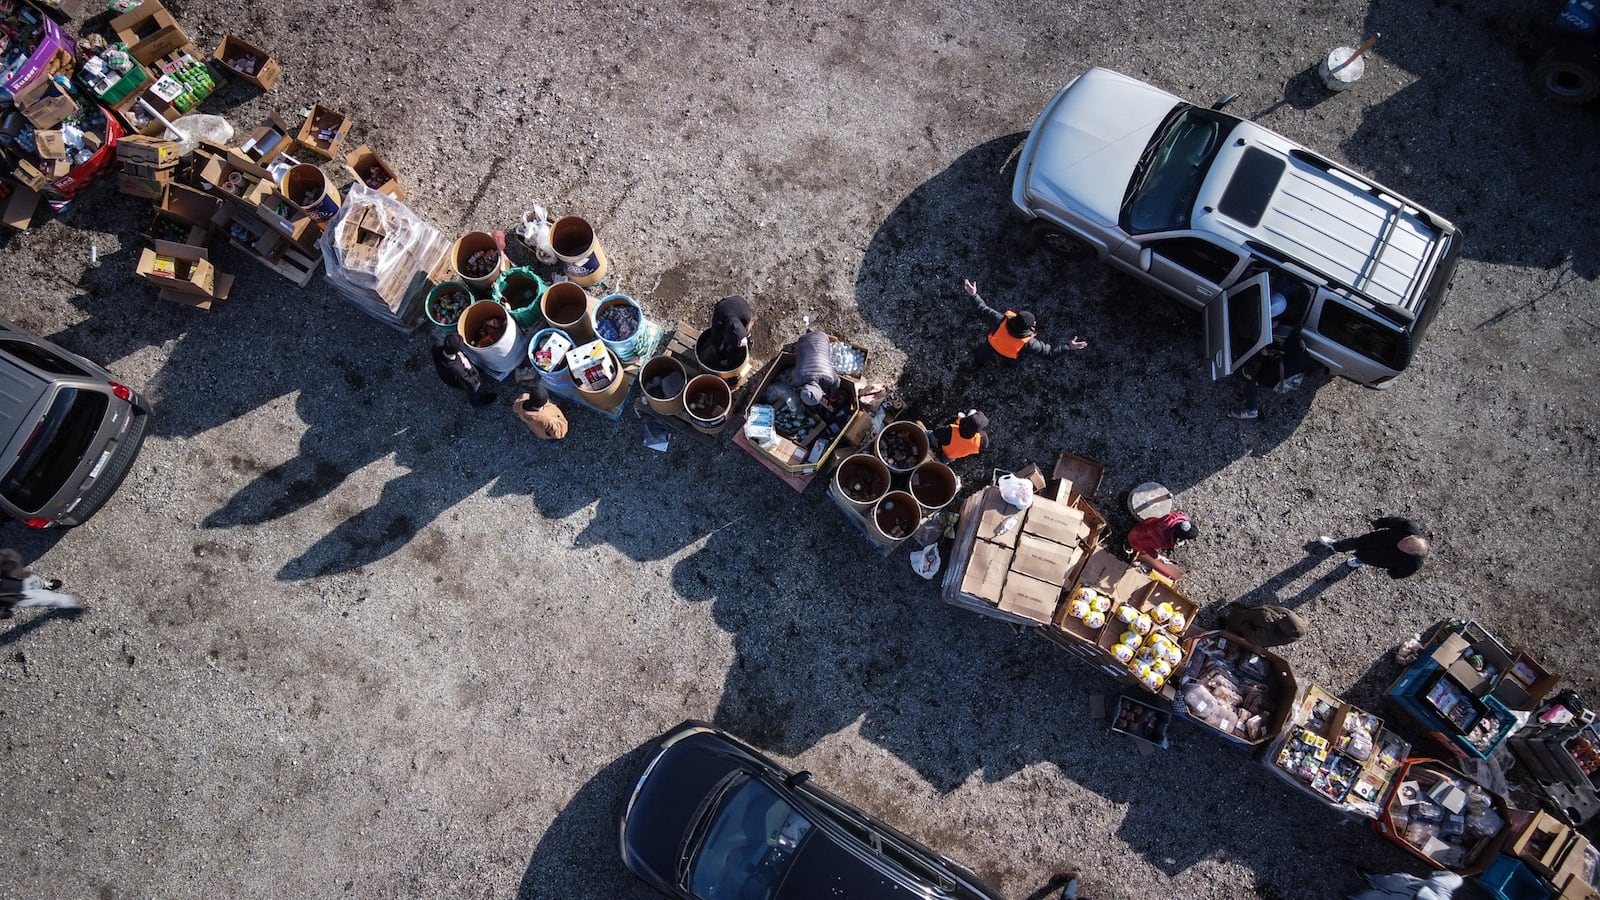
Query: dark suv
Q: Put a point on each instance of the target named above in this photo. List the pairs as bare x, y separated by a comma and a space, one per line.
70, 431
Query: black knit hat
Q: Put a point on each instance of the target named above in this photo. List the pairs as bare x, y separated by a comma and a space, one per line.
971, 425
1021, 324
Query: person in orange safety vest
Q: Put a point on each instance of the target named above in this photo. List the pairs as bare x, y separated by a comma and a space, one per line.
963, 437
1012, 335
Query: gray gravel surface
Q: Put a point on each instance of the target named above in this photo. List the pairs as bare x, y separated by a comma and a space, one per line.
350, 637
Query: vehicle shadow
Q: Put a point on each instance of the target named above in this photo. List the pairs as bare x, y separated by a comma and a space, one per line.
580, 846
1460, 138
1142, 380
956, 697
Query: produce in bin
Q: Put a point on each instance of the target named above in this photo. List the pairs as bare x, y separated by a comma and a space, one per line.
489, 332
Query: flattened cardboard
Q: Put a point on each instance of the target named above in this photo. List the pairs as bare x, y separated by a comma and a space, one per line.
1055, 521
992, 513
21, 204
44, 104
50, 144
1045, 560
1029, 597
985, 576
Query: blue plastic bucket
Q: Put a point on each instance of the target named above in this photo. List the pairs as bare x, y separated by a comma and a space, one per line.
616, 310
561, 377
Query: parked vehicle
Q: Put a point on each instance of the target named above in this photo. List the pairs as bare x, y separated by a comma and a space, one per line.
70, 431
710, 817
1221, 213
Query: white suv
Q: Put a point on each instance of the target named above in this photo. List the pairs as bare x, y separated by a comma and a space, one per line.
1221, 213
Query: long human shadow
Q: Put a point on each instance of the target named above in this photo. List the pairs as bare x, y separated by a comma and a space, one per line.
1145, 361
956, 697
1498, 158
25, 626
1269, 592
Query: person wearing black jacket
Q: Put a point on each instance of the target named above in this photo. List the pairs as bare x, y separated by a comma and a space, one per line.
1396, 544
455, 369
1011, 334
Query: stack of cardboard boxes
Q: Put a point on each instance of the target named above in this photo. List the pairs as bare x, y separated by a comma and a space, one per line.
1561, 857
255, 214
148, 165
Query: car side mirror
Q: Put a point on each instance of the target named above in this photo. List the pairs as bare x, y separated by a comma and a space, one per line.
1225, 100
1144, 259
797, 779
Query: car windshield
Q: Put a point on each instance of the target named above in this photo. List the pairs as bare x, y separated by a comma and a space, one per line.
1162, 192
749, 846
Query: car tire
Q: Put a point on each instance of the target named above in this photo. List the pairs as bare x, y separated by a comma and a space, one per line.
1568, 74
1067, 246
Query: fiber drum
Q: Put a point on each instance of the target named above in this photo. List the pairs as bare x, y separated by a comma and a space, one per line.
477, 261
583, 259
520, 290
619, 321
860, 482
935, 485
601, 391
707, 399
664, 380
740, 364
547, 353
902, 446
895, 517
487, 328
445, 304
566, 306
306, 187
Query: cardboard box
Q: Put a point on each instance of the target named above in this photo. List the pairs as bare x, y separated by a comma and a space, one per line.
184, 273
1108, 574
271, 139
1525, 685
1047, 561
149, 31
233, 55
166, 226
21, 202
1543, 844
1055, 521
185, 204
154, 153
149, 187
290, 221
361, 162
44, 104
319, 119
1451, 656
992, 514
30, 175
50, 144
986, 572
1084, 474
233, 178
1029, 597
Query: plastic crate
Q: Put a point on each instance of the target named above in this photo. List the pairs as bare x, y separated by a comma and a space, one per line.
1508, 879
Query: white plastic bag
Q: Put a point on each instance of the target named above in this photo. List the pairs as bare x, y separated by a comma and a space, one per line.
926, 562
197, 127
1016, 491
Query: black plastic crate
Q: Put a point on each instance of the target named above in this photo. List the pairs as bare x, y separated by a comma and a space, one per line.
1543, 756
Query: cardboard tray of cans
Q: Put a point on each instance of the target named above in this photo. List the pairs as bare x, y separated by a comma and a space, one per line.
1338, 753
795, 453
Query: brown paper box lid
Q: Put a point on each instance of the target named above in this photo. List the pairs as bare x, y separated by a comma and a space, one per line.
1029, 597
1045, 560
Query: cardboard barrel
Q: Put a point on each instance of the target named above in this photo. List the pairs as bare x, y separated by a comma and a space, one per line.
935, 485
306, 187
861, 481
735, 374
477, 325
895, 517
520, 290
583, 259
566, 306
663, 380
469, 253
707, 400
902, 446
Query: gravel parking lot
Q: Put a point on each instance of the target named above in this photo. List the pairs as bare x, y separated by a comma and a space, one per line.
351, 637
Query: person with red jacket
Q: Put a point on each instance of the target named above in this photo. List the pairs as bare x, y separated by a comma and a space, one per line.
1012, 334
1154, 536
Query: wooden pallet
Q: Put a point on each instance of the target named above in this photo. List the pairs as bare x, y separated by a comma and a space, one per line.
614, 406
293, 263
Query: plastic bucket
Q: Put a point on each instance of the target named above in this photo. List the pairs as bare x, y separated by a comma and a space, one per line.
657, 379
902, 446
895, 517
521, 290
560, 377
935, 485
734, 374
477, 324
860, 482
565, 305
445, 304
306, 187
582, 258
621, 315
601, 396
707, 399
477, 261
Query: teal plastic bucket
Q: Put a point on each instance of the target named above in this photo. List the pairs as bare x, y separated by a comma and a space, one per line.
560, 377
440, 318
520, 290
620, 323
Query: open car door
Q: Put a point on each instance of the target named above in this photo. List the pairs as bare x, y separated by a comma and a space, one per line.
1238, 325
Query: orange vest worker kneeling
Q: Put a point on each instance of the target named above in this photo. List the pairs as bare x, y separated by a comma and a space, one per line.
1013, 334
963, 437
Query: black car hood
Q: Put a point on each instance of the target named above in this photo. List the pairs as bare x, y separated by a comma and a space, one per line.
680, 779
823, 868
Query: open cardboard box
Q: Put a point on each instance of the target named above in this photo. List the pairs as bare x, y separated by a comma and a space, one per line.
1282, 689
44, 104
270, 139
185, 204
1544, 843
262, 239
192, 281
236, 50
367, 167
233, 178
1525, 685
1451, 655
149, 31
797, 456
287, 219
21, 202
166, 226
1083, 474
319, 119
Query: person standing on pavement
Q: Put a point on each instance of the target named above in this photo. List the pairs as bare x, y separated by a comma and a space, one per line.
1396, 544
1152, 537
963, 437
1012, 334
537, 411
457, 370
21, 588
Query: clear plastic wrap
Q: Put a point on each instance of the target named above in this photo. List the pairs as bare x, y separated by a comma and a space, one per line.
378, 253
